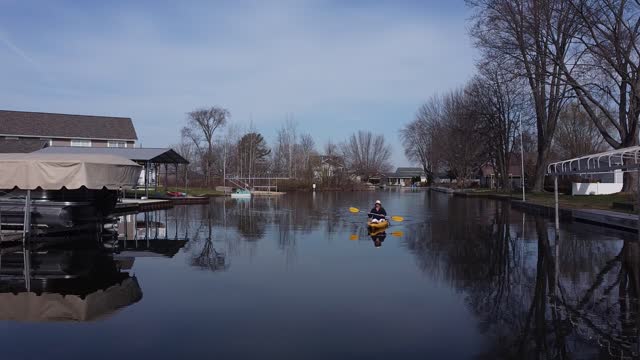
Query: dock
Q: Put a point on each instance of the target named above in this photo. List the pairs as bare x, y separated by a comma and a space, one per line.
130, 206
266, 193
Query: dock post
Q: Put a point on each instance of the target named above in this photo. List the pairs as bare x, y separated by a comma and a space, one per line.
186, 180
177, 177
555, 191
26, 234
146, 180
556, 270
26, 227
638, 201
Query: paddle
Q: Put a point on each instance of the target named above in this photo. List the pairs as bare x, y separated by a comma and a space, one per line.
394, 218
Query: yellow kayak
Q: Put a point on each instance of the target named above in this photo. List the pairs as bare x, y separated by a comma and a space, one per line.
375, 232
382, 225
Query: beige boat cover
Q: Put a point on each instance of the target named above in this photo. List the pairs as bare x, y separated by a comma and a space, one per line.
71, 171
48, 307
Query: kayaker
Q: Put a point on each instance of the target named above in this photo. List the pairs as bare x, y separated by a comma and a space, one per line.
378, 214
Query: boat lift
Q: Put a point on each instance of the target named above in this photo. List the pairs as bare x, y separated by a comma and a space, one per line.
608, 162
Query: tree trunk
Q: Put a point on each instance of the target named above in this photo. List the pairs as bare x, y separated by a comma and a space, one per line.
628, 183
541, 167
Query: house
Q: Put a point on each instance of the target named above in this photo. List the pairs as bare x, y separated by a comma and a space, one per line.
405, 176
377, 178
488, 175
67, 130
326, 166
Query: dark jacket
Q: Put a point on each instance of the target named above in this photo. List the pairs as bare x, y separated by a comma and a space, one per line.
377, 214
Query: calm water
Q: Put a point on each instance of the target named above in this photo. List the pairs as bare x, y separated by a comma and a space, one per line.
299, 277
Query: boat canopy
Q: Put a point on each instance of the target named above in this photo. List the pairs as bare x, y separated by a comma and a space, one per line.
31, 307
71, 171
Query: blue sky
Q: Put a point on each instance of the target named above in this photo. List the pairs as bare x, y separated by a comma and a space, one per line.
337, 66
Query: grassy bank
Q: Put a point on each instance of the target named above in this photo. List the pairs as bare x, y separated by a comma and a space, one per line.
601, 202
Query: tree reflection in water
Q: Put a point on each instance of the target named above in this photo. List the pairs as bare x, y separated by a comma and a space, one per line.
507, 270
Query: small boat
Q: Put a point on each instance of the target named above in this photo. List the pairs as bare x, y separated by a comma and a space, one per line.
382, 225
241, 194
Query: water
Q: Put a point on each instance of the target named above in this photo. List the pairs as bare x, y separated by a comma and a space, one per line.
299, 277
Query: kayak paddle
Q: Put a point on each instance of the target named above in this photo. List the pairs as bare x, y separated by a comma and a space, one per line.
394, 218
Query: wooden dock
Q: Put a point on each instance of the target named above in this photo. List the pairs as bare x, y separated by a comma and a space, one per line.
266, 193
189, 200
131, 206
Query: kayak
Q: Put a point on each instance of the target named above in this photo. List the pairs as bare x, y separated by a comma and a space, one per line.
376, 232
382, 225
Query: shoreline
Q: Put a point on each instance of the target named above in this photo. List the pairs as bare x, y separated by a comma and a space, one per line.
609, 218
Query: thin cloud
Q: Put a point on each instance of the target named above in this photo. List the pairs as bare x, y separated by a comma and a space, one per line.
4, 38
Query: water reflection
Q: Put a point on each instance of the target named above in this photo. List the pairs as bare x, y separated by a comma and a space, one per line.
535, 296
40, 282
80, 275
378, 237
459, 278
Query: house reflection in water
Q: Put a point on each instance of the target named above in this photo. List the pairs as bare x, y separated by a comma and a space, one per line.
75, 278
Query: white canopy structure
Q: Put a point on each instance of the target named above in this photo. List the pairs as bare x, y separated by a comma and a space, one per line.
70, 171
627, 159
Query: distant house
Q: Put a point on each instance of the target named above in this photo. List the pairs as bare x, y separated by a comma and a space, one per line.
326, 166
487, 175
377, 178
405, 176
67, 130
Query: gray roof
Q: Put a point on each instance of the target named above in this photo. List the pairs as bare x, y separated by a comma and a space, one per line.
50, 125
407, 172
154, 155
22, 145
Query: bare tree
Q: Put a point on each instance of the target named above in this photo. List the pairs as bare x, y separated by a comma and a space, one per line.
200, 129
366, 154
418, 137
577, 134
331, 149
302, 156
187, 150
284, 148
498, 101
604, 71
457, 137
531, 38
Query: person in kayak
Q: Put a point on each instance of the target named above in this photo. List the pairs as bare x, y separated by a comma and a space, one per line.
378, 214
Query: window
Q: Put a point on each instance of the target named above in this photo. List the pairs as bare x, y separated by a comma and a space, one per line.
81, 143
118, 144
49, 141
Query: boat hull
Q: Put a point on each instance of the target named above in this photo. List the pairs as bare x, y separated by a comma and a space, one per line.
241, 196
58, 209
378, 226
